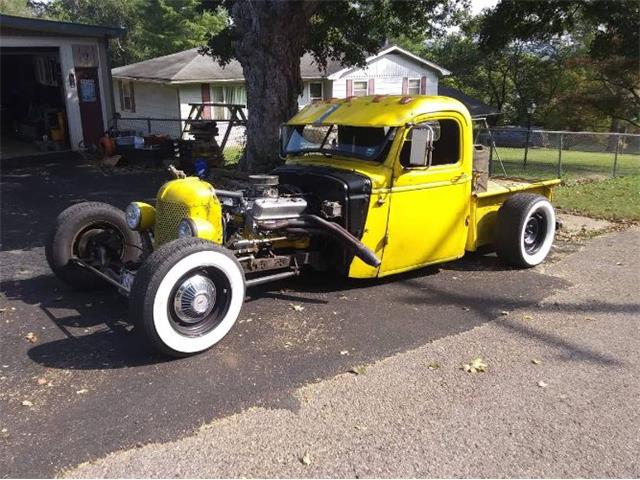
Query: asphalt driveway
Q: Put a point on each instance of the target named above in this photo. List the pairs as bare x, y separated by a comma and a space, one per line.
77, 382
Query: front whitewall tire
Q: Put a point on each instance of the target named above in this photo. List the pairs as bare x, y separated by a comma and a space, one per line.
154, 291
161, 304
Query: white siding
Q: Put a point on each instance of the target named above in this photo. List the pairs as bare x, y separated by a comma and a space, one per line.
388, 72
189, 93
152, 100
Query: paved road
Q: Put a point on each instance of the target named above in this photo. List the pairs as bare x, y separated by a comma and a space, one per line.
559, 399
95, 387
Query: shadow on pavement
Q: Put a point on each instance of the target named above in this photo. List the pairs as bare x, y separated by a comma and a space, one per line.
486, 307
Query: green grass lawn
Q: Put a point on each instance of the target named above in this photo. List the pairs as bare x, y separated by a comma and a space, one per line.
613, 198
542, 163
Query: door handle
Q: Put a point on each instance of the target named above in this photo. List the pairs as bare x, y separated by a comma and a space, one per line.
457, 178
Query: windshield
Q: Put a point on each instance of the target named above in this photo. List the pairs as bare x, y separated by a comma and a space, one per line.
369, 143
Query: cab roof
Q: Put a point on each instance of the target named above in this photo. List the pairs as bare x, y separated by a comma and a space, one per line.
375, 110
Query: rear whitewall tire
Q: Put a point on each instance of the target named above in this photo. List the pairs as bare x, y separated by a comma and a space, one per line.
546, 209
154, 290
514, 243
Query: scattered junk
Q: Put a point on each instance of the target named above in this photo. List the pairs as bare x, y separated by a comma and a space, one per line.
195, 149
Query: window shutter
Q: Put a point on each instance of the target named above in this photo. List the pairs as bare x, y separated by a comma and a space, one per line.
372, 86
405, 86
349, 88
121, 95
133, 97
423, 85
206, 97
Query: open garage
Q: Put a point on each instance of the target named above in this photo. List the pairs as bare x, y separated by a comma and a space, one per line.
56, 86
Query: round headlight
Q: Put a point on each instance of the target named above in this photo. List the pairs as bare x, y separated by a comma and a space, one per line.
187, 228
133, 216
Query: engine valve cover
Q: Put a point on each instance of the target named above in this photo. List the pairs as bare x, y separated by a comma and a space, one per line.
277, 208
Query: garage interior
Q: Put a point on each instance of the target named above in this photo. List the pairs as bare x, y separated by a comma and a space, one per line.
32, 104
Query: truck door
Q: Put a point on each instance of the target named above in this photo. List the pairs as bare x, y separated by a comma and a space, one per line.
429, 207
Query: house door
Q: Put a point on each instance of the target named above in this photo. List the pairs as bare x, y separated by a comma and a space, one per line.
90, 105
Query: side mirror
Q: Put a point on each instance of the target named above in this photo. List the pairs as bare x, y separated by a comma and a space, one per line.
284, 139
421, 147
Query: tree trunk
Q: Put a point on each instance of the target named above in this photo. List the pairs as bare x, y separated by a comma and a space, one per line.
270, 43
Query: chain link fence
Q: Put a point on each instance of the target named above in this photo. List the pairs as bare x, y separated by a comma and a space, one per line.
543, 154
173, 127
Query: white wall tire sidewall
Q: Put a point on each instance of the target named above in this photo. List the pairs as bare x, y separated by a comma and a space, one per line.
545, 206
167, 334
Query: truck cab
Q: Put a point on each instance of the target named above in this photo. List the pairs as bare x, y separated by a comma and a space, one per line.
416, 160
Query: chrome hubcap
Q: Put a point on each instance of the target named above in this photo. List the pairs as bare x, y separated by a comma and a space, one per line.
194, 299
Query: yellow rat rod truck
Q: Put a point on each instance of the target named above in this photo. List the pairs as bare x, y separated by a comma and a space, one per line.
371, 186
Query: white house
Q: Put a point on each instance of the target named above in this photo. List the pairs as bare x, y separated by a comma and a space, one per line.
55, 84
163, 87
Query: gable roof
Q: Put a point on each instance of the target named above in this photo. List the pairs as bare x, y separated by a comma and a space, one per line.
15, 24
189, 66
394, 49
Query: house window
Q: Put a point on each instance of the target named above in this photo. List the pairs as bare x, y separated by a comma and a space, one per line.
360, 89
127, 100
413, 86
235, 94
315, 91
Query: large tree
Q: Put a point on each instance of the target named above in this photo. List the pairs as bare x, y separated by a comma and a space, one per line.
610, 30
268, 38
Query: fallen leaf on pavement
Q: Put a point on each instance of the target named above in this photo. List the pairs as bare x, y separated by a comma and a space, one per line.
466, 309
42, 381
434, 366
527, 317
82, 391
542, 384
31, 337
477, 365
342, 297
306, 459
358, 370
297, 308
535, 361
344, 352
27, 403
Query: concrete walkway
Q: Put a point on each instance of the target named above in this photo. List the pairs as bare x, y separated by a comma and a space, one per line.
560, 398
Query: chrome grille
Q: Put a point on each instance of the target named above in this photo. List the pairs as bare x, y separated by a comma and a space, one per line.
168, 216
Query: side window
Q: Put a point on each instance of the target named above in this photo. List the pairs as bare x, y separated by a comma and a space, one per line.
127, 100
446, 146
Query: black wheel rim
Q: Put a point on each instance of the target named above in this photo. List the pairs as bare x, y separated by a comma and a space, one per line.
535, 231
90, 239
197, 326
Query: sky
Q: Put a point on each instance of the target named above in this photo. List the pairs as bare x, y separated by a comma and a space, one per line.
478, 5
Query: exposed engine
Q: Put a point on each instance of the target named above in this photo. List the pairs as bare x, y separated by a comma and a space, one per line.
268, 213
